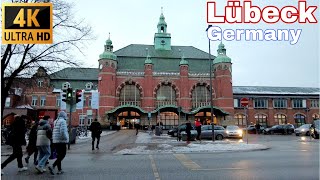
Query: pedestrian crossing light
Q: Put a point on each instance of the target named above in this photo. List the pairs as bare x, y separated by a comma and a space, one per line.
69, 93
78, 95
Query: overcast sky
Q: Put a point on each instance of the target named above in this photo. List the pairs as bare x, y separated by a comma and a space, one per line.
260, 63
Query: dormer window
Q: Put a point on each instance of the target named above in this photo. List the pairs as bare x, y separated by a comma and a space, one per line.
66, 85
89, 85
40, 83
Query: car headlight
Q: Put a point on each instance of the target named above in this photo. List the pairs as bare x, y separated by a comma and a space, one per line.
302, 130
227, 132
240, 132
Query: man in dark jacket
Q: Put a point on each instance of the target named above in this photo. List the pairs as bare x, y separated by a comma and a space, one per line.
95, 129
188, 131
17, 140
32, 147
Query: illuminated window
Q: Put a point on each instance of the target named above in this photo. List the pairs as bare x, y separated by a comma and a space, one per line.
130, 94
315, 116
280, 119
241, 119
261, 119
166, 95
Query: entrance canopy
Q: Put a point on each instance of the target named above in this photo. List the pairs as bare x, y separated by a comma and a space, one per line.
216, 110
126, 108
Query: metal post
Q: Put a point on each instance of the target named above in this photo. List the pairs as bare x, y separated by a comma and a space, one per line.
245, 113
70, 118
211, 105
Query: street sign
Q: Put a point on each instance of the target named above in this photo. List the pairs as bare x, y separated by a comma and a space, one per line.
244, 102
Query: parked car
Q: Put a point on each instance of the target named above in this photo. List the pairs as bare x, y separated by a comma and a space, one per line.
234, 131
219, 132
182, 128
252, 129
173, 132
280, 129
315, 129
303, 130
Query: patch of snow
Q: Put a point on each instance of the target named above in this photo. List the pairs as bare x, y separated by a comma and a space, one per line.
143, 138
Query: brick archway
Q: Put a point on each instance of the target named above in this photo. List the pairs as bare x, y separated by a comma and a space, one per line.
129, 82
173, 85
202, 84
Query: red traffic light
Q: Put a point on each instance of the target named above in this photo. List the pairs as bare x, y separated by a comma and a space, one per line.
78, 95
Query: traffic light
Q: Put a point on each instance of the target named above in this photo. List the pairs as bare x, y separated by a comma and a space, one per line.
64, 95
69, 93
78, 95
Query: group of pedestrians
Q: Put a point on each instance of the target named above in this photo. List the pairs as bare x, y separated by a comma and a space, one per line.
42, 139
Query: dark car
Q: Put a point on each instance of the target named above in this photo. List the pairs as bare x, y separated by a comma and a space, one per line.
173, 132
280, 129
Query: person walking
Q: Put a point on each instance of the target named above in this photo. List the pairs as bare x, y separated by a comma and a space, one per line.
188, 131
198, 124
137, 127
16, 139
32, 147
258, 128
60, 138
96, 131
44, 134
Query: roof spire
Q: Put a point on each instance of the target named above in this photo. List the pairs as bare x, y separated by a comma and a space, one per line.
183, 61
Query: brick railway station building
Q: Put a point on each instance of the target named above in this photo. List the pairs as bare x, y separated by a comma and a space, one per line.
162, 82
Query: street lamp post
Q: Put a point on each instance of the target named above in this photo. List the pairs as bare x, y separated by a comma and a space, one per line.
211, 105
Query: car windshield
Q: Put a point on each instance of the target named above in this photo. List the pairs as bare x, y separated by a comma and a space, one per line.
232, 127
305, 126
275, 126
317, 123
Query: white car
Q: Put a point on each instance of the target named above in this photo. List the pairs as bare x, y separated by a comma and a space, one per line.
303, 130
234, 131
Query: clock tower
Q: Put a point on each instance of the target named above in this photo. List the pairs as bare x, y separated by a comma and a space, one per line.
162, 39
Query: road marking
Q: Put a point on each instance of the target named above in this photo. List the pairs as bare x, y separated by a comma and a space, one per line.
186, 162
154, 168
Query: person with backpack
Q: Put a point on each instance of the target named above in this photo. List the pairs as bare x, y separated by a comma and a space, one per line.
32, 147
16, 139
96, 131
44, 134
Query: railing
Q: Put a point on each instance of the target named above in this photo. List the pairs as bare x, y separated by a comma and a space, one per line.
200, 104
129, 73
132, 103
164, 103
166, 74
199, 75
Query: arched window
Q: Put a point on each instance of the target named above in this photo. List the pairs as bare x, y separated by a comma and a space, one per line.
299, 119
315, 116
166, 95
241, 119
130, 95
280, 119
261, 119
66, 85
200, 96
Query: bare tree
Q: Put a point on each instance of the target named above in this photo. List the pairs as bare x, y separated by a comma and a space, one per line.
70, 36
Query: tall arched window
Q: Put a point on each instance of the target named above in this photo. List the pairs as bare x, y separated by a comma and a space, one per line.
280, 119
130, 95
315, 116
200, 96
240, 119
261, 119
299, 119
166, 95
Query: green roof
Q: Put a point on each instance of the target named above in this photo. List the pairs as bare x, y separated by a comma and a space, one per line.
132, 57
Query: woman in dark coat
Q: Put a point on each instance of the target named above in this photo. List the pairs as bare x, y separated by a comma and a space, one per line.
32, 148
17, 140
188, 131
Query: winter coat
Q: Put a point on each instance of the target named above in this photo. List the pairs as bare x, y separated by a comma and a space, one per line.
95, 128
33, 135
188, 127
60, 130
18, 132
43, 131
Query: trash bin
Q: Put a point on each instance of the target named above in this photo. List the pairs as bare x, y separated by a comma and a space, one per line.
158, 131
73, 136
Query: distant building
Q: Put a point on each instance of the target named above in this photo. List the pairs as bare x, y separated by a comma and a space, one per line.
161, 82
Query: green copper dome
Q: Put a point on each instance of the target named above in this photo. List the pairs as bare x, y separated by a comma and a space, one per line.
222, 55
108, 51
108, 55
183, 61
